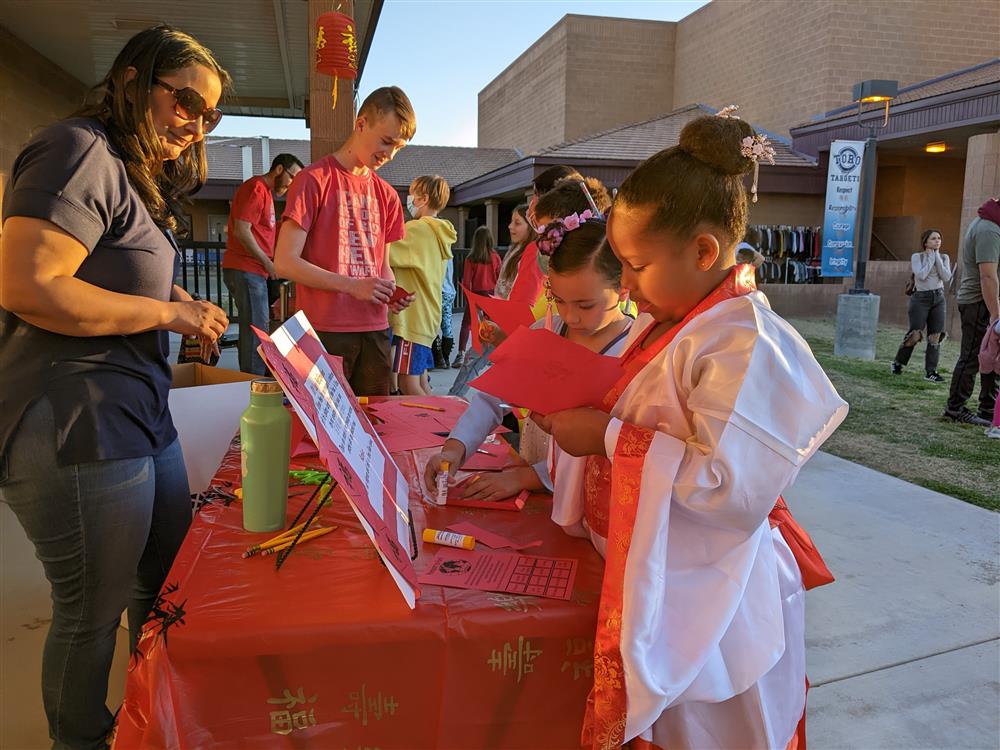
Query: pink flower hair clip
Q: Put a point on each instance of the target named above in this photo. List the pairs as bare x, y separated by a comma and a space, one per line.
756, 148
551, 237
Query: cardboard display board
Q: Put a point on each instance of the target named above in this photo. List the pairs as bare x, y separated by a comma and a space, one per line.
349, 446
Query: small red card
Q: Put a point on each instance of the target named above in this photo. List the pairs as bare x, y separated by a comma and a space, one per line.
398, 295
511, 503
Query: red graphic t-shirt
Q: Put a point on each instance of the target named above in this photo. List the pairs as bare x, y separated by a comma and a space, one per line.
349, 220
252, 203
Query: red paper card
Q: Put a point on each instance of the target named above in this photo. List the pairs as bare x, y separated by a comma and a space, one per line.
544, 372
508, 315
497, 457
551, 577
399, 294
511, 503
490, 538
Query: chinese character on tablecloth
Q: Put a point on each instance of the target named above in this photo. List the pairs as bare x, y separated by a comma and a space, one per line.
579, 657
283, 722
514, 659
365, 706
511, 603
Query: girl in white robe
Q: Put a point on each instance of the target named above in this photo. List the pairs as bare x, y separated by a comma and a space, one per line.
700, 636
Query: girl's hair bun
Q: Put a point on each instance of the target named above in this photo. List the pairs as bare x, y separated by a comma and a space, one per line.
716, 141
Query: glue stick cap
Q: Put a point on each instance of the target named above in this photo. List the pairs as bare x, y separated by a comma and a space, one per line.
362, 400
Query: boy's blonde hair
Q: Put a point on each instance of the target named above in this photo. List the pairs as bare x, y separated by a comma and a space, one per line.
390, 99
435, 188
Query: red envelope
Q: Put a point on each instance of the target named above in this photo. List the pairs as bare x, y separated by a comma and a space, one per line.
540, 370
397, 295
506, 314
511, 503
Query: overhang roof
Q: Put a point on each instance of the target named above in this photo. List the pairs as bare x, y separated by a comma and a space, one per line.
455, 164
638, 141
956, 105
264, 44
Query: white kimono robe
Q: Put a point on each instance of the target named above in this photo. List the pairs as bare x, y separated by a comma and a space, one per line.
712, 621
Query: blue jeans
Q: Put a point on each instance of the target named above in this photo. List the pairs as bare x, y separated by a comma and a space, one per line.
249, 292
447, 308
106, 533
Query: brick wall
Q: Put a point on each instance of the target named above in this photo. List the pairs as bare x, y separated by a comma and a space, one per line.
618, 72
34, 92
525, 106
785, 61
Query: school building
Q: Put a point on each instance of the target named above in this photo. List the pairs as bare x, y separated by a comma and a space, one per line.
600, 94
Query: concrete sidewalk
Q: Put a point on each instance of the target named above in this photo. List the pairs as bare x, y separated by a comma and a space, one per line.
903, 649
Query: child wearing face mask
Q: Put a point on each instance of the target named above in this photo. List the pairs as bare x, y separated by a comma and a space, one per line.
419, 262
700, 632
584, 286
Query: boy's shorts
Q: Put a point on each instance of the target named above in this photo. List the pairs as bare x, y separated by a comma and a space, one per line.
411, 359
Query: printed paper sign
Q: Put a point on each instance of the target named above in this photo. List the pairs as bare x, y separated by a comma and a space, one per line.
508, 573
348, 445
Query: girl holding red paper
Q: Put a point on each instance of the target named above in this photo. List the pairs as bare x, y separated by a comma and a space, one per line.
585, 286
700, 639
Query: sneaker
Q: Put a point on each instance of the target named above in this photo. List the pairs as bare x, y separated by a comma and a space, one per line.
459, 360
933, 377
993, 432
965, 417
897, 369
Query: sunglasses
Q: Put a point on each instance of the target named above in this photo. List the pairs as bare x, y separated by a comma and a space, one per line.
190, 105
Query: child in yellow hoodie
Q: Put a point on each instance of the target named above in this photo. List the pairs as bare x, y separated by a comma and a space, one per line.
418, 262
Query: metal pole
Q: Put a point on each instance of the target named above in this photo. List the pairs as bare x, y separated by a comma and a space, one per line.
869, 166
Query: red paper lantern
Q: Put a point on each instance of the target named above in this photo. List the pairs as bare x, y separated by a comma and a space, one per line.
336, 48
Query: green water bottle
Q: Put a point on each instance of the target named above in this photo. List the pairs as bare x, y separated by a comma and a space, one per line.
265, 435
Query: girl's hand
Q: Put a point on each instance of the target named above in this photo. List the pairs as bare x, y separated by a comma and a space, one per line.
497, 485
579, 432
453, 451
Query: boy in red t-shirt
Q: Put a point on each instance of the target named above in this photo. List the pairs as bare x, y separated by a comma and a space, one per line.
339, 217
246, 263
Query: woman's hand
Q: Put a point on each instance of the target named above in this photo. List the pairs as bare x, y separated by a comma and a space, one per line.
453, 451
500, 485
579, 432
196, 318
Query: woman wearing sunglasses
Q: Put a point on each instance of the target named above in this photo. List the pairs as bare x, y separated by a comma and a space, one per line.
89, 458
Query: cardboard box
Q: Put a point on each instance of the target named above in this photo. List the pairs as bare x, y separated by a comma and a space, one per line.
206, 404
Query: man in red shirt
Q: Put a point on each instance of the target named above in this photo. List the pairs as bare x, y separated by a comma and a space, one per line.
247, 261
338, 219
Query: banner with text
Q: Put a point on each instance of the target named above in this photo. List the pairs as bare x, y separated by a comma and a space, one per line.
840, 214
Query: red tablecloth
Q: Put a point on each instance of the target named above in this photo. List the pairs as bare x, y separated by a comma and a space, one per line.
325, 654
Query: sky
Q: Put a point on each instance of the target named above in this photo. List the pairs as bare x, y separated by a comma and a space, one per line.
443, 53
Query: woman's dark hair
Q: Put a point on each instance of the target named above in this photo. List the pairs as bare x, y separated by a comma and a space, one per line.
544, 182
698, 181
482, 246
584, 247
123, 107
926, 235
514, 252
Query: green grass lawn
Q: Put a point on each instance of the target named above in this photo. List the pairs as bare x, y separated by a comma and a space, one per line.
895, 424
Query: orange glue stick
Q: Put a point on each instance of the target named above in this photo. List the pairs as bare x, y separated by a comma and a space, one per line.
449, 539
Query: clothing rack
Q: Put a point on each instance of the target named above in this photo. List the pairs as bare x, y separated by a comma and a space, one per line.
792, 254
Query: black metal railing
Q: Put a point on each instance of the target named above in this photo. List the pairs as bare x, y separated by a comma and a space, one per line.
201, 274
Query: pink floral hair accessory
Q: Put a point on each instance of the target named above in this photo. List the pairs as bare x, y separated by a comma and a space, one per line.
551, 237
755, 147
